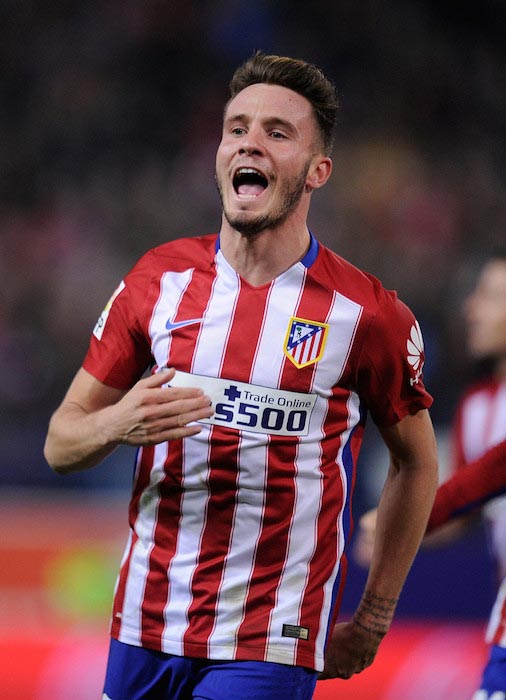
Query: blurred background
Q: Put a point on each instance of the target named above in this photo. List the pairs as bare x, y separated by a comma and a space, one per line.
110, 115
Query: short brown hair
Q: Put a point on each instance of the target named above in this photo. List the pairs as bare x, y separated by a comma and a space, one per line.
297, 75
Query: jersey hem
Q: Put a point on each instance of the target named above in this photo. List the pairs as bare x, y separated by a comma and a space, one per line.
222, 652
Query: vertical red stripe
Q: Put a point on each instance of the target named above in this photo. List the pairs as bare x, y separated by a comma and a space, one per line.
237, 362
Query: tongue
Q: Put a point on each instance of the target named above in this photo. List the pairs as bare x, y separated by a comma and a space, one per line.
252, 190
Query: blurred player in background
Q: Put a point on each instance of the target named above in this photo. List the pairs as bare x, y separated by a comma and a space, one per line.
240, 511
479, 454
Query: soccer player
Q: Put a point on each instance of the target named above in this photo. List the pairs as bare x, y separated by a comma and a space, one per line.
479, 472
480, 424
266, 350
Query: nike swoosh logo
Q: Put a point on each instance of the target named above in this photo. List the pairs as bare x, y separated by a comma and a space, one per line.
172, 325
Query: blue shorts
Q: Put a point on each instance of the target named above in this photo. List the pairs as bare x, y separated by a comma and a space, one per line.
134, 673
493, 682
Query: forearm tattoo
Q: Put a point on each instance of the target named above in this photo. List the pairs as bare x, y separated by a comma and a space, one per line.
374, 613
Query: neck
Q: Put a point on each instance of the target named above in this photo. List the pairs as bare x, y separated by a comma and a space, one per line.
262, 257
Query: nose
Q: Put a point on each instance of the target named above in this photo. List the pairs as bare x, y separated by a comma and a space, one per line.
248, 150
251, 143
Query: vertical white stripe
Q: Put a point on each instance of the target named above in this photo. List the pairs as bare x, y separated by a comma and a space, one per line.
214, 332
172, 288
343, 320
475, 424
283, 299
498, 417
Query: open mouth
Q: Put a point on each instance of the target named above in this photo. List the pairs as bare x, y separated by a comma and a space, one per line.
249, 182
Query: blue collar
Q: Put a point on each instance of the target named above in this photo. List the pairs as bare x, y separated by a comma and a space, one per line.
308, 258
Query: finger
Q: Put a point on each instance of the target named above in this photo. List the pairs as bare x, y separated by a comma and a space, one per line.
181, 393
162, 377
161, 392
159, 378
164, 436
165, 405
186, 412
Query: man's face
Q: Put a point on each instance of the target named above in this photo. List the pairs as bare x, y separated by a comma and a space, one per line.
485, 311
268, 146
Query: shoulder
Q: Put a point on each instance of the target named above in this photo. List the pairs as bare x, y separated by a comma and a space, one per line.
142, 281
179, 254
350, 281
346, 277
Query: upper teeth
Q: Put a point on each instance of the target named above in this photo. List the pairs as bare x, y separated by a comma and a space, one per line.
246, 171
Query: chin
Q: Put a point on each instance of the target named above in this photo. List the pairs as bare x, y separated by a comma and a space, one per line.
248, 223
249, 228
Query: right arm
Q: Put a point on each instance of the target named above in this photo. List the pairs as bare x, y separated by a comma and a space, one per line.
95, 418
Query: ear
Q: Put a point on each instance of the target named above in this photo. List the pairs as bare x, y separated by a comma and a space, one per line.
319, 172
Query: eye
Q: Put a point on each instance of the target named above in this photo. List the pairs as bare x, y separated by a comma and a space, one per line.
277, 135
237, 131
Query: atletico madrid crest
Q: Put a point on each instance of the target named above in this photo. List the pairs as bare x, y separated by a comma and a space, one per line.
305, 341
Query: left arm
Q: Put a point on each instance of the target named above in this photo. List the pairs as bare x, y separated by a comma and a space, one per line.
403, 512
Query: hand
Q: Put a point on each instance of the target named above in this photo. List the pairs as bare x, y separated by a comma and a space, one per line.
364, 539
151, 413
351, 649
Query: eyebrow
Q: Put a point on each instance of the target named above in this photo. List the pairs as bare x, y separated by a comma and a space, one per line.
268, 122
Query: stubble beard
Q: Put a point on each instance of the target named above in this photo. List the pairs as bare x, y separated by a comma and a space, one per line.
291, 193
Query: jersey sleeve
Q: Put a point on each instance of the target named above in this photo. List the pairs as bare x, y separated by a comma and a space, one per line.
119, 351
389, 375
470, 487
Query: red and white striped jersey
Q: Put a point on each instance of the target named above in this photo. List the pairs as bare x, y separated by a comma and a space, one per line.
237, 534
479, 425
